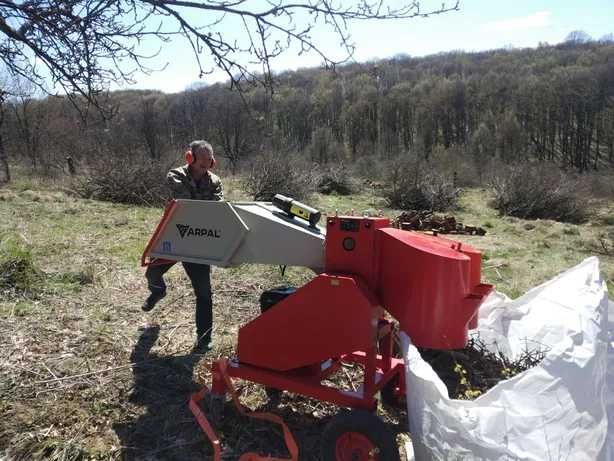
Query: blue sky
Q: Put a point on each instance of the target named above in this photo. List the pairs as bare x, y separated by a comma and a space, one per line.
479, 25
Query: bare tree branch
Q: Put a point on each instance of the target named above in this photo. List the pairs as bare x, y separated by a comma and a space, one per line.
81, 46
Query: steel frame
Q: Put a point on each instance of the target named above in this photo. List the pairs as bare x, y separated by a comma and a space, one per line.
379, 370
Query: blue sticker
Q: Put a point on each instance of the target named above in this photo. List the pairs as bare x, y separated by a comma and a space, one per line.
166, 246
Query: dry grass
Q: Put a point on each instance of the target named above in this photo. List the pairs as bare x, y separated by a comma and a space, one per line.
84, 374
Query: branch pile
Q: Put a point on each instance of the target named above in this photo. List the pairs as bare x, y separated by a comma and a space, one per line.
428, 221
470, 372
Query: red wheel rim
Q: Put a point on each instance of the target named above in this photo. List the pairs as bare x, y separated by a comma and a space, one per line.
354, 446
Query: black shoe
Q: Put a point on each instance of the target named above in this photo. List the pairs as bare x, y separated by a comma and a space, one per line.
202, 346
152, 300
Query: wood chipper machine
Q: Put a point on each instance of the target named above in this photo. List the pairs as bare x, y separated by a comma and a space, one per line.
363, 268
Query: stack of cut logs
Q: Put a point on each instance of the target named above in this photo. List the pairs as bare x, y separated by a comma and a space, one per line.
428, 221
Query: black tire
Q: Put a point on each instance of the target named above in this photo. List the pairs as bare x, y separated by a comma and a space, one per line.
358, 435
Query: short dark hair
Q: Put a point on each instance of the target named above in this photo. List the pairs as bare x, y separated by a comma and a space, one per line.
199, 145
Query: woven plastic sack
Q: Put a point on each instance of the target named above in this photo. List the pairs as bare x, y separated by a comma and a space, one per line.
555, 410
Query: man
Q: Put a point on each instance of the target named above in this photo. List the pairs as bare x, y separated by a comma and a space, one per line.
191, 181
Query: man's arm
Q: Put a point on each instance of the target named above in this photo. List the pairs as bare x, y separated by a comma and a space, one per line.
179, 185
218, 192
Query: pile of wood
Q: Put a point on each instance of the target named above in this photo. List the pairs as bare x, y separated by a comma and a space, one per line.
428, 221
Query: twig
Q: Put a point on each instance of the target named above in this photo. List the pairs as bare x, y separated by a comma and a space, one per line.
48, 431
347, 375
494, 266
170, 336
49, 370
174, 300
98, 372
64, 378
27, 370
174, 445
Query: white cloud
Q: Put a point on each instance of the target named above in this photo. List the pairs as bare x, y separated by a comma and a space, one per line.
536, 20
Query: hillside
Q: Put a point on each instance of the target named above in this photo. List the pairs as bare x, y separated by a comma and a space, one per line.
552, 103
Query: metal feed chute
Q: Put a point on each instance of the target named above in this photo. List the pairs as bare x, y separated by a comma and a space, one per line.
229, 234
365, 269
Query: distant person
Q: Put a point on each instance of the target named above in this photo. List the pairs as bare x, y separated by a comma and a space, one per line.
191, 181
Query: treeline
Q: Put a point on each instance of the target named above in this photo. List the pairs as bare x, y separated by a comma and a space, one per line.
552, 103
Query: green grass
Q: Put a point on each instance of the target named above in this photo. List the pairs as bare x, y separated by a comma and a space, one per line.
18, 272
74, 308
519, 258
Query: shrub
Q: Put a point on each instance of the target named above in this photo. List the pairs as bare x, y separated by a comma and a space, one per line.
409, 187
600, 184
18, 274
461, 165
370, 168
271, 174
336, 180
538, 192
141, 182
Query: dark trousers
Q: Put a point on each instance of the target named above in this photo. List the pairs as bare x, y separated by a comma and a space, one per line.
200, 276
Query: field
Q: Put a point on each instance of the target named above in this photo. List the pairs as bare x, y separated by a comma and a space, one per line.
85, 374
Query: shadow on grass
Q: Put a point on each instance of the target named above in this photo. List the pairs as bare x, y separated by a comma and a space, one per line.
167, 430
162, 385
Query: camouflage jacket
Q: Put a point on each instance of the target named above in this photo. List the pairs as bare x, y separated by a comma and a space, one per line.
182, 185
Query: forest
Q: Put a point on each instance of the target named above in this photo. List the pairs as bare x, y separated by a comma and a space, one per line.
553, 103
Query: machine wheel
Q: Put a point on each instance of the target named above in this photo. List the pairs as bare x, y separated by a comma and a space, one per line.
358, 435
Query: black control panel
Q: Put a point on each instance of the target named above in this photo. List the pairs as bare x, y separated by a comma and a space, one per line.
349, 225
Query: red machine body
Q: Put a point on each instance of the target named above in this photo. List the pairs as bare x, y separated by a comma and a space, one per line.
332, 315
352, 247
430, 285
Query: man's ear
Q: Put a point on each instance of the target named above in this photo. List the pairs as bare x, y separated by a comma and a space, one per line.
213, 162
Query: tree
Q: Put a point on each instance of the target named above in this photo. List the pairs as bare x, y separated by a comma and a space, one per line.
150, 124
607, 38
28, 117
360, 114
232, 127
85, 44
577, 36
510, 137
327, 100
400, 107
293, 115
5, 172
482, 148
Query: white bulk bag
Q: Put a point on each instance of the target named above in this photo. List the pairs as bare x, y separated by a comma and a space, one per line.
556, 410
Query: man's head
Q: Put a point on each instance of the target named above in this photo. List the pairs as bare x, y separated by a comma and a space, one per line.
202, 158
